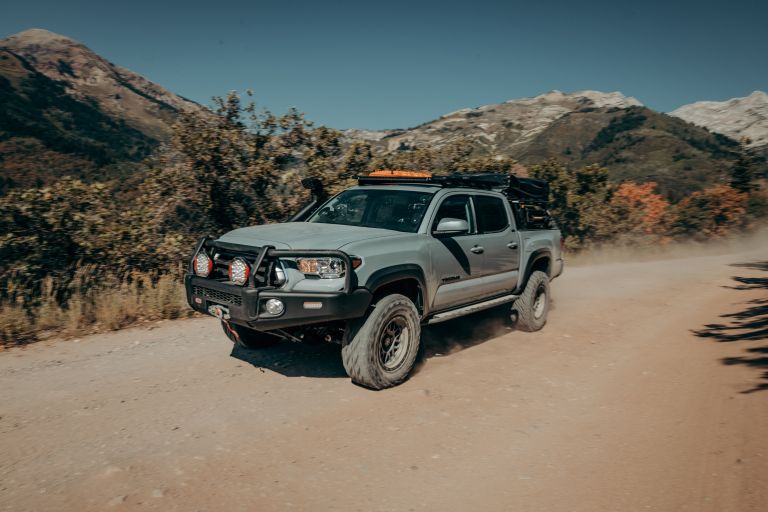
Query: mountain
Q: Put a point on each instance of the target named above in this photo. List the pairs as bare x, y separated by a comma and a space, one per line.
580, 128
736, 118
68, 111
636, 144
116, 91
501, 128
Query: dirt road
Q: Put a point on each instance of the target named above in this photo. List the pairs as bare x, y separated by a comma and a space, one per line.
626, 401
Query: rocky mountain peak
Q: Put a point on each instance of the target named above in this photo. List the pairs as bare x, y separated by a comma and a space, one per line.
736, 118
499, 127
38, 36
598, 99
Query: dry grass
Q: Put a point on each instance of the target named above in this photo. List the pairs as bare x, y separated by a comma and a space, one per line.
93, 306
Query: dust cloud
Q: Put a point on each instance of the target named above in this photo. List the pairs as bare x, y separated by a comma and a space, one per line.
674, 250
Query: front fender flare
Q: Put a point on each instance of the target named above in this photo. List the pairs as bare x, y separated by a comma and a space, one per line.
387, 275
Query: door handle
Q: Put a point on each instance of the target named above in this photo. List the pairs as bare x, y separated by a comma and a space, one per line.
512, 245
477, 249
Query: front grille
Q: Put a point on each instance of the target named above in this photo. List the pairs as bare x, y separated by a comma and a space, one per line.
217, 296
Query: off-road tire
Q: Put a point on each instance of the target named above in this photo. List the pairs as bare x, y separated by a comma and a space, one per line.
249, 338
366, 356
532, 314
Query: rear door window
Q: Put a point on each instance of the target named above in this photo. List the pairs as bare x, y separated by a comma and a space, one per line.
491, 214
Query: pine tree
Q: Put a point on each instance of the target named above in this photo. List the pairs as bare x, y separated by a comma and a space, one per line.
744, 170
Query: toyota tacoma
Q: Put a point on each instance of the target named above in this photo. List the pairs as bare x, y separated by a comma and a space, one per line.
371, 266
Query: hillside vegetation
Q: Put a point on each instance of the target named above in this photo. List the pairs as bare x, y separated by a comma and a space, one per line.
45, 133
108, 179
640, 145
72, 259
65, 249
68, 112
582, 128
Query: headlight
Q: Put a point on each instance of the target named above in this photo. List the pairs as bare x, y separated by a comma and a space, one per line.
203, 264
326, 268
239, 270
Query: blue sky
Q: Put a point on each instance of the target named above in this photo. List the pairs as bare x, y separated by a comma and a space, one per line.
399, 63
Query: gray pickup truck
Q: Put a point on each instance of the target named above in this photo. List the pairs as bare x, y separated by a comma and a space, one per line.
372, 265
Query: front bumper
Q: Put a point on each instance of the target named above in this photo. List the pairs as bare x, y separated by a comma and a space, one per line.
246, 304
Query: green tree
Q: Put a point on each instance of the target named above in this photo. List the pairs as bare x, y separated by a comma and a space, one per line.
485, 163
580, 201
235, 166
236, 156
48, 231
412, 159
357, 161
744, 170
459, 156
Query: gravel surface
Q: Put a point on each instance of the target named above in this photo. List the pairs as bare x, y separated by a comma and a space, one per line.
626, 401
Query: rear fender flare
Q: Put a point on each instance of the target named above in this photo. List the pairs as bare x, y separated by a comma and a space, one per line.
535, 257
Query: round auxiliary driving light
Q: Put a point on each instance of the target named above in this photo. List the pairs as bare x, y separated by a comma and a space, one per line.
239, 270
274, 307
203, 264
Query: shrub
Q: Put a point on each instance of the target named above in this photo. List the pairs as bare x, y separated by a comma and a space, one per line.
710, 213
95, 303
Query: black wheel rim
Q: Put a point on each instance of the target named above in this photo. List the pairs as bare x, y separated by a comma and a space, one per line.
394, 342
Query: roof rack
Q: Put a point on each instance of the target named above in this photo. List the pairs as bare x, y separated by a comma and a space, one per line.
526, 190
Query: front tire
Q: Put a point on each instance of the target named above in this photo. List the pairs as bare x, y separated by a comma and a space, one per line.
533, 305
249, 338
383, 351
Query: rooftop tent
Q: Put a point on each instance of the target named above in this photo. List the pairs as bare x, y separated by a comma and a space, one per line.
528, 189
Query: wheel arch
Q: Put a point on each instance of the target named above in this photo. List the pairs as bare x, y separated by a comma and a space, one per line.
405, 279
540, 259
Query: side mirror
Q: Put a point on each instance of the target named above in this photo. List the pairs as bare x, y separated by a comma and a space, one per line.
449, 226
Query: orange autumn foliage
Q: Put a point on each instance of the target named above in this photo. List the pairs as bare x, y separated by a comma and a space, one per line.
710, 213
642, 206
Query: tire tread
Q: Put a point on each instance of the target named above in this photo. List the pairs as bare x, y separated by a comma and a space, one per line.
524, 304
360, 356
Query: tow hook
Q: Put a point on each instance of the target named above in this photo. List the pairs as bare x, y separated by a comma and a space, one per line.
219, 312
222, 314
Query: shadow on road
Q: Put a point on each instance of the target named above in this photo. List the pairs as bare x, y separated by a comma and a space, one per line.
750, 324
296, 359
324, 360
456, 335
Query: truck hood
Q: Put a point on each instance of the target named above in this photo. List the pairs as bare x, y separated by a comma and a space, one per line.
304, 235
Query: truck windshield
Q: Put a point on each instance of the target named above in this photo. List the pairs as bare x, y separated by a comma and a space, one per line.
400, 210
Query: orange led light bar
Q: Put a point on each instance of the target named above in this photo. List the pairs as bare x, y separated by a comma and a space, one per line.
405, 174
